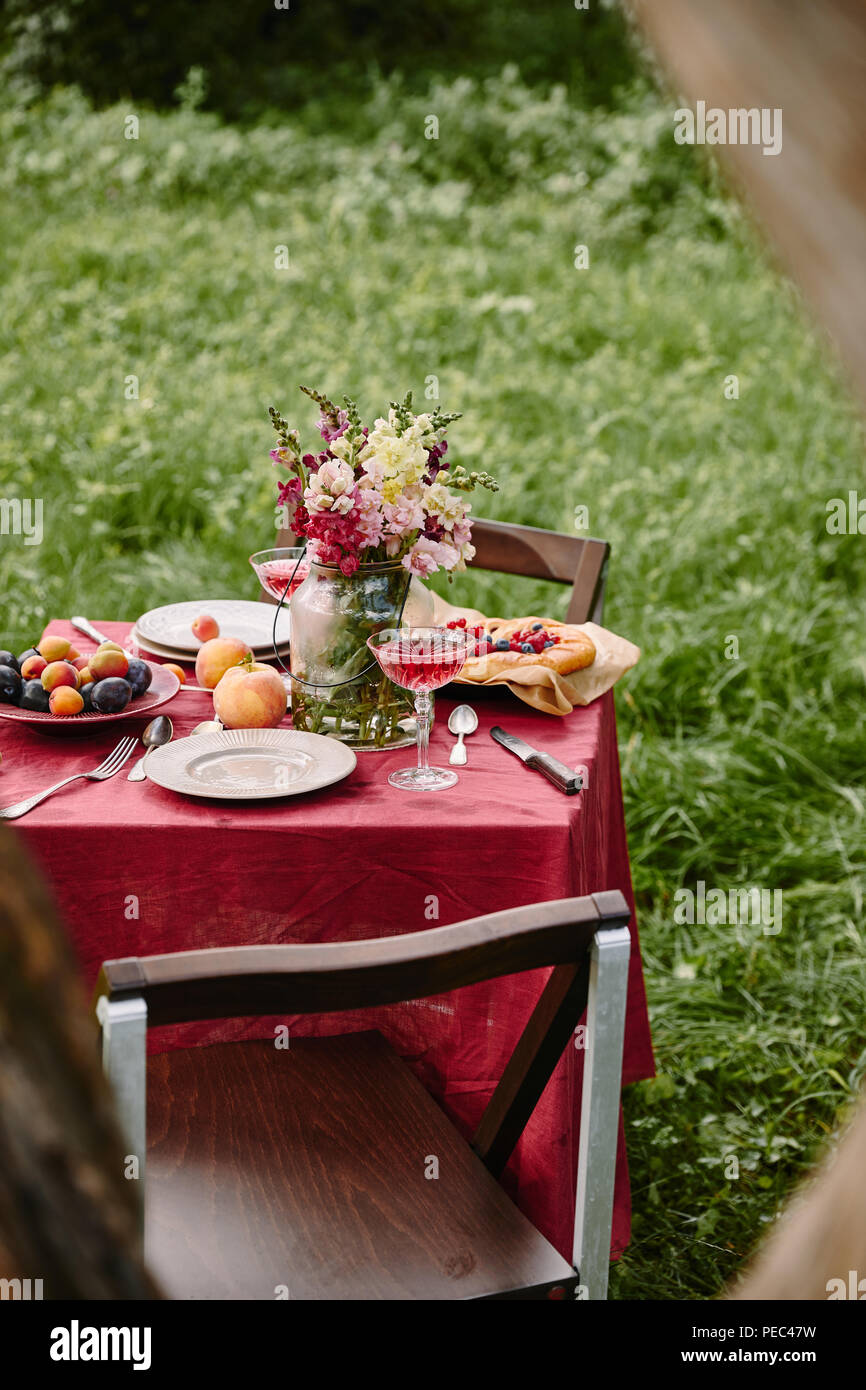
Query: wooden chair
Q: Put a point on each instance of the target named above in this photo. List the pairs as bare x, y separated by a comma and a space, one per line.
302, 1170
507, 548
526, 550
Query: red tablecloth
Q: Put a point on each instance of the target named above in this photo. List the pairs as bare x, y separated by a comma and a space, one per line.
139, 870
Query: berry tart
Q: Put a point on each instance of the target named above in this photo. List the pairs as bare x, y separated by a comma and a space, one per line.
503, 646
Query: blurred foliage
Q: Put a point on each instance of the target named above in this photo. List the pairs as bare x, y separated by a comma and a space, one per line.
454, 258
254, 55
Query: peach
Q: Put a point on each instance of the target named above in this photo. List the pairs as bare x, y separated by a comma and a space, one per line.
59, 673
215, 658
107, 662
53, 648
32, 668
205, 628
178, 671
64, 700
251, 696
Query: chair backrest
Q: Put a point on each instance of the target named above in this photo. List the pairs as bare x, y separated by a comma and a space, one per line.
508, 548
230, 982
527, 550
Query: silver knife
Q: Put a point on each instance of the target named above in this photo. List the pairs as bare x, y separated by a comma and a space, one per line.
82, 625
562, 776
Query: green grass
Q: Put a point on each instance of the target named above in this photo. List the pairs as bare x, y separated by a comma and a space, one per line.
604, 388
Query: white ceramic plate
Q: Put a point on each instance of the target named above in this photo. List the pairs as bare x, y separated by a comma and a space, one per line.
175, 653
253, 623
250, 764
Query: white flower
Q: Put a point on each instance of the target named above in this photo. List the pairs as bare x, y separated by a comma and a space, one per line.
331, 488
393, 463
342, 447
450, 508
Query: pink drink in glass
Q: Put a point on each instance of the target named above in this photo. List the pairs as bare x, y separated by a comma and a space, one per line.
277, 569
421, 659
420, 666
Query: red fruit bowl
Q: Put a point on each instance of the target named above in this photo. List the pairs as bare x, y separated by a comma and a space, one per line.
164, 684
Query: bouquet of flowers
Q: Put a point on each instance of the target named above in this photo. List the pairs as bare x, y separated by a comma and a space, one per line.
378, 508
372, 495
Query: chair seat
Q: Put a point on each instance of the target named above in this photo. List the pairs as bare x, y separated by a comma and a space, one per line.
301, 1173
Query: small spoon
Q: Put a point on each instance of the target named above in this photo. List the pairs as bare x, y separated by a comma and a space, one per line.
207, 726
462, 720
158, 732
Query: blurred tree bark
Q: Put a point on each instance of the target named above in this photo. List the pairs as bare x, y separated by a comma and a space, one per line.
809, 60
821, 1238
68, 1216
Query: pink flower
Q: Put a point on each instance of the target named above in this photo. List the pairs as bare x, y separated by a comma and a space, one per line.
289, 492
368, 518
404, 515
328, 430
426, 556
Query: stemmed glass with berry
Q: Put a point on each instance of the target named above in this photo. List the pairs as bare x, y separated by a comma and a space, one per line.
422, 659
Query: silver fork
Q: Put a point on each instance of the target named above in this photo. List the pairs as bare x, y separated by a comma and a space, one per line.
113, 763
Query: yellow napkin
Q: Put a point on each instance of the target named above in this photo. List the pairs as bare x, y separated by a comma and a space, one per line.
537, 685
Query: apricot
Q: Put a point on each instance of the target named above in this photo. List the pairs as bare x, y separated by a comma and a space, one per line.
32, 668
215, 658
107, 662
59, 673
178, 671
64, 700
205, 628
53, 648
79, 662
109, 647
251, 696
85, 677
72, 655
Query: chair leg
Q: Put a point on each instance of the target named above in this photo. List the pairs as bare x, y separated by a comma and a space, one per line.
124, 1059
599, 1115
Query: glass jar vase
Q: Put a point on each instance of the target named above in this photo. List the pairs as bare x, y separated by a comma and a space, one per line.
338, 687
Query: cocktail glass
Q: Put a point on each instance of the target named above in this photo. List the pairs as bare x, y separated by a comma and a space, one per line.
421, 659
281, 571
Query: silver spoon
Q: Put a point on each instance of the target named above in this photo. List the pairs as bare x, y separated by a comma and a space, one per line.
158, 732
462, 720
207, 726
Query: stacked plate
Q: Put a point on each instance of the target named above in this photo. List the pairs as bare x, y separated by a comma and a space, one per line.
167, 631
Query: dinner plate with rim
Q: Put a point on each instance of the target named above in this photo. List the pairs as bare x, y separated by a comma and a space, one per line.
164, 685
250, 764
176, 654
251, 622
